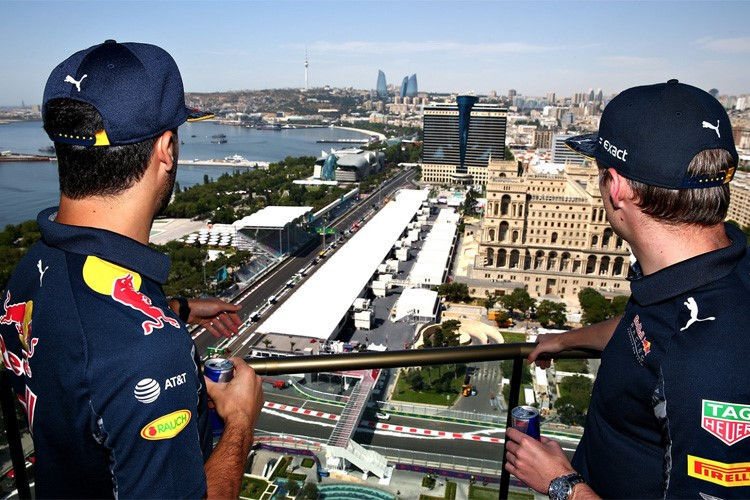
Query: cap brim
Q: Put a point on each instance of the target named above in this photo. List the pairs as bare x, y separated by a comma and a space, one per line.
585, 145
196, 115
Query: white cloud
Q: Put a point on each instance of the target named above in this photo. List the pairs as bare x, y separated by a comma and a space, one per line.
629, 61
402, 48
728, 45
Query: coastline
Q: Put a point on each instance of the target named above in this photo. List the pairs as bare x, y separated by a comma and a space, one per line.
381, 137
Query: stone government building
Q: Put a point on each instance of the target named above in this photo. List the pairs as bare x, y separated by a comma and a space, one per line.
547, 233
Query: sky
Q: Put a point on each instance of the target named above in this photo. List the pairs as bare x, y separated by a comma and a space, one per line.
533, 47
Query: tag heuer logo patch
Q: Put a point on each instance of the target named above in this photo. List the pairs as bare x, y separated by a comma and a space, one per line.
729, 422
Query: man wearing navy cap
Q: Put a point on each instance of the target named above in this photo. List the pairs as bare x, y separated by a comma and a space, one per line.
104, 366
670, 410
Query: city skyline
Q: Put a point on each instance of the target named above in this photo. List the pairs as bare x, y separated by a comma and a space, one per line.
536, 48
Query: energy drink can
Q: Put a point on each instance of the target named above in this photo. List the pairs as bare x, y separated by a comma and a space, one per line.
219, 370
526, 420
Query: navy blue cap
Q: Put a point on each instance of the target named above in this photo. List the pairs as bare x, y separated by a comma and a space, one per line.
651, 134
135, 87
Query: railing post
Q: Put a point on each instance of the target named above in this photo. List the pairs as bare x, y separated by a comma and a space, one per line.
13, 435
515, 387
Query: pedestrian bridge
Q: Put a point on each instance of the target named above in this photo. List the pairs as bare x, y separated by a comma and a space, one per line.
340, 447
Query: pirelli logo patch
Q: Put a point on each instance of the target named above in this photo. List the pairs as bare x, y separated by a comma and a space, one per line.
728, 475
166, 426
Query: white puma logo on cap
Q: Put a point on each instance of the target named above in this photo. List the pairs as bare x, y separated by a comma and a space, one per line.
70, 79
705, 125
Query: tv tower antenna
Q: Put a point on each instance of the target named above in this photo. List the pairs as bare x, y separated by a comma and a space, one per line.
306, 64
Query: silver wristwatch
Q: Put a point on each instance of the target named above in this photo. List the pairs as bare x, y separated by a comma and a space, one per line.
561, 488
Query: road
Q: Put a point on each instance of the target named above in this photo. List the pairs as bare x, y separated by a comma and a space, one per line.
258, 294
285, 421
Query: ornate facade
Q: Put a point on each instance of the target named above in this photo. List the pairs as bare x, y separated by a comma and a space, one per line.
549, 234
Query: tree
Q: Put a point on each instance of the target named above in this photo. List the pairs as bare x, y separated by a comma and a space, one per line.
502, 319
291, 345
618, 304
470, 203
308, 492
490, 301
415, 380
293, 487
595, 307
548, 312
454, 292
574, 400
519, 299
267, 342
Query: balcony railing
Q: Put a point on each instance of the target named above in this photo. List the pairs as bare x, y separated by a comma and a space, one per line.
326, 363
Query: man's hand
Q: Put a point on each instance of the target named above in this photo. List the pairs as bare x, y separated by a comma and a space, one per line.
536, 463
547, 343
239, 400
219, 318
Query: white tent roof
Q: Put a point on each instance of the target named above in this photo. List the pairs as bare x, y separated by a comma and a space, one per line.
431, 261
272, 217
417, 301
319, 304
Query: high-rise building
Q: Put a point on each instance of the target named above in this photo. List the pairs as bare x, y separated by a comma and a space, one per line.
739, 199
382, 88
404, 86
551, 98
511, 93
411, 86
599, 96
563, 154
542, 138
441, 152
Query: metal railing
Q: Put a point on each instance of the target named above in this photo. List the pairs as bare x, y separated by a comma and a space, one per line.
324, 363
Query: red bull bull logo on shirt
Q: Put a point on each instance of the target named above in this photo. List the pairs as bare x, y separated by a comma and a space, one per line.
18, 315
123, 286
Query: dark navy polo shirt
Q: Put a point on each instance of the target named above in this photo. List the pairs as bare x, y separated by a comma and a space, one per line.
106, 372
670, 409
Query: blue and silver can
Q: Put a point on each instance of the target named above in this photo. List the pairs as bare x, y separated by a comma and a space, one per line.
526, 420
219, 370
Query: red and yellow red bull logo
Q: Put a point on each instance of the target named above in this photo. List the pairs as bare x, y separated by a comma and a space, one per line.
18, 315
123, 286
728, 475
167, 426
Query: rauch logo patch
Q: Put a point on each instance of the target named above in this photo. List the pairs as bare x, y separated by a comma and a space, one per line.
729, 422
728, 475
167, 426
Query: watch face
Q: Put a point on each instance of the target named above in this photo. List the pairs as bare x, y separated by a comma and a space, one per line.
559, 489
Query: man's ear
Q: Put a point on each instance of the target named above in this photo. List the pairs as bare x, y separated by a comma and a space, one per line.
163, 150
619, 190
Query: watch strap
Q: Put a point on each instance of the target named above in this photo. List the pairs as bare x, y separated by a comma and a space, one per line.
184, 311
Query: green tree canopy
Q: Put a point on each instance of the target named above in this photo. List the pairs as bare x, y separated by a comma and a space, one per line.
518, 299
454, 292
596, 308
548, 312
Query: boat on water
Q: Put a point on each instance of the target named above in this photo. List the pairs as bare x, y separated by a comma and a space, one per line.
218, 141
219, 136
47, 149
192, 135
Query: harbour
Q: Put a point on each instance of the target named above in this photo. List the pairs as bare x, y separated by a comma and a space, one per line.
30, 185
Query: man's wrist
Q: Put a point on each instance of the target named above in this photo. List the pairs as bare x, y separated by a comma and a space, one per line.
181, 306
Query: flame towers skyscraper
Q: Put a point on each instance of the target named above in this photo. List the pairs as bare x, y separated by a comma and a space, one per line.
382, 88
